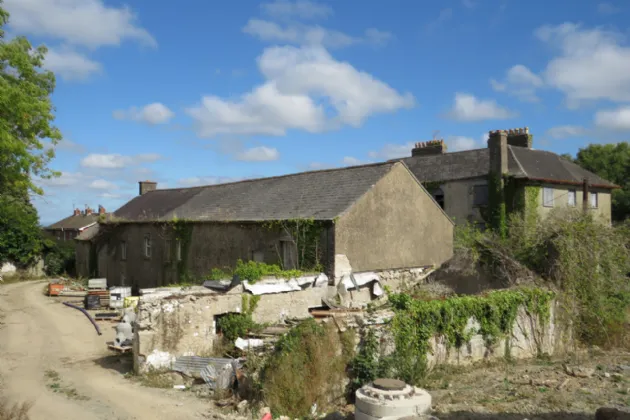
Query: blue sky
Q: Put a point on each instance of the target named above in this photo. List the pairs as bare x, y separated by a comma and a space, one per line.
207, 92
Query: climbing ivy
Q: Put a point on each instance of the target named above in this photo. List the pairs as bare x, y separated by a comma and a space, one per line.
417, 321
306, 234
496, 204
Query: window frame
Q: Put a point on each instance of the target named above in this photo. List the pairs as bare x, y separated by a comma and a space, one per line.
545, 203
477, 204
147, 247
572, 193
593, 194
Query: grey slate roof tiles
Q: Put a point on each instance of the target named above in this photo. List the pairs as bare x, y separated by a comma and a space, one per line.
74, 222
321, 195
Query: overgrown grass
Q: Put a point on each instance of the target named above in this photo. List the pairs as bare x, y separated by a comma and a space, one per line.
307, 367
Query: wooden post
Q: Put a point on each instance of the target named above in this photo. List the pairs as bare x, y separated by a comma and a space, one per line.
585, 202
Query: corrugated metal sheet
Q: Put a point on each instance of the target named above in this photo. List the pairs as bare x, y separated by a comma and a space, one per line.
216, 372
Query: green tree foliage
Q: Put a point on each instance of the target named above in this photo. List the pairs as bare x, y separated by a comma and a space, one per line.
611, 162
20, 235
26, 116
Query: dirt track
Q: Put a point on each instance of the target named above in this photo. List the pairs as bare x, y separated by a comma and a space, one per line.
40, 337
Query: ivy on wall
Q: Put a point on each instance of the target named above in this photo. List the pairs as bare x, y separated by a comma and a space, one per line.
497, 212
305, 234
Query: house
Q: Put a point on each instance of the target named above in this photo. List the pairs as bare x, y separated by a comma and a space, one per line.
69, 228
86, 252
459, 181
370, 218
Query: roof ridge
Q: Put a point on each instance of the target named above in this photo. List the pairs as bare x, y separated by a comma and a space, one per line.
242, 181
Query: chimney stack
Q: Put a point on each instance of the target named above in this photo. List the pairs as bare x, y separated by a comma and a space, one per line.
426, 148
77, 212
88, 211
147, 186
520, 137
497, 143
101, 209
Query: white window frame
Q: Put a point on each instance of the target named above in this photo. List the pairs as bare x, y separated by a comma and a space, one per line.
147, 246
123, 250
593, 200
547, 203
572, 193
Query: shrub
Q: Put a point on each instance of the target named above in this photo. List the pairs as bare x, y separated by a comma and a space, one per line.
59, 258
253, 271
307, 365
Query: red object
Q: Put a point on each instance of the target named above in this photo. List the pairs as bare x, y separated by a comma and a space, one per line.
54, 289
267, 416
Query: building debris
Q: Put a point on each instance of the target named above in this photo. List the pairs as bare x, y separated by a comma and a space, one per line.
250, 343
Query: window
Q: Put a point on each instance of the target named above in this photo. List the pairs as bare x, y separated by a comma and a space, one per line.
168, 250
571, 198
480, 195
123, 251
178, 250
438, 196
548, 197
594, 200
147, 246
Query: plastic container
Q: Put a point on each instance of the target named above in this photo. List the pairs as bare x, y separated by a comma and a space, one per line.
55, 289
97, 284
92, 302
117, 296
131, 302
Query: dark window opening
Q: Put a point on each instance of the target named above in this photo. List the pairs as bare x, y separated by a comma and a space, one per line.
480, 195
438, 196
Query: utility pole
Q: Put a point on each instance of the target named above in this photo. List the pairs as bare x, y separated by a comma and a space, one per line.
585, 195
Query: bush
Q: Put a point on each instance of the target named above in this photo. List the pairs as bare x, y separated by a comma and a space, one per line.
59, 258
307, 365
253, 271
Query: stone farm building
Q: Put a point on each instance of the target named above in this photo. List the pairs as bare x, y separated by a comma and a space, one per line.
540, 179
372, 217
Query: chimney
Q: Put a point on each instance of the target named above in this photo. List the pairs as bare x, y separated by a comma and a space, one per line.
88, 211
147, 186
497, 143
77, 212
425, 148
520, 137
101, 209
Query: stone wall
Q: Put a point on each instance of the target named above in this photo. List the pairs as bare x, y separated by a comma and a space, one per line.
177, 322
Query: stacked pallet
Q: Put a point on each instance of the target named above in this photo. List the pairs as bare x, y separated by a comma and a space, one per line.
98, 295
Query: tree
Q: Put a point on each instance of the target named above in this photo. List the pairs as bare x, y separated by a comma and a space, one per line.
26, 115
611, 162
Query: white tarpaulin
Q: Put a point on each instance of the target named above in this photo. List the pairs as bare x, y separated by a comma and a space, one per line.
362, 279
264, 287
250, 343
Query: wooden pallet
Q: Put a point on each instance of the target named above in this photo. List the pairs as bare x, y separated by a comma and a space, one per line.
119, 349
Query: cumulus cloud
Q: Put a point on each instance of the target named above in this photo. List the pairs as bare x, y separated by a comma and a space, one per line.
71, 65
298, 81
520, 82
89, 23
155, 113
300, 34
303, 9
468, 108
392, 151
116, 161
592, 64
351, 161
460, 143
614, 119
196, 181
102, 184
258, 154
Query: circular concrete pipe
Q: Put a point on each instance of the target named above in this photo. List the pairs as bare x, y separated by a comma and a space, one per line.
391, 399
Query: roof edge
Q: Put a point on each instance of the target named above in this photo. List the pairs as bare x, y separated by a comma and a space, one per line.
553, 181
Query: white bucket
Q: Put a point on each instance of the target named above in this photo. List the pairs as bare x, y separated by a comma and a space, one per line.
117, 296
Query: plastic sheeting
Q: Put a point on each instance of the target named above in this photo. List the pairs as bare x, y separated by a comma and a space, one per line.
250, 343
264, 287
358, 280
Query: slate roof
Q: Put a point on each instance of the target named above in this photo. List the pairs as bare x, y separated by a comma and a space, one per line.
74, 222
321, 195
88, 233
526, 163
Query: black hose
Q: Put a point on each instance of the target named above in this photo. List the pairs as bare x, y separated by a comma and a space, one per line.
98, 330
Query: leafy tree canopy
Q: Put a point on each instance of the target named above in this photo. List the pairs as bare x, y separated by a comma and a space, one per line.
611, 162
26, 115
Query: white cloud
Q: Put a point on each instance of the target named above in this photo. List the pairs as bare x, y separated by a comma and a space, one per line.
196, 181
109, 195
155, 113
65, 145
444, 16
607, 9
102, 184
71, 65
592, 64
66, 179
116, 161
468, 108
566, 131
303, 9
300, 84
520, 82
469, 4
351, 161
300, 34
259, 154
89, 23
392, 151
460, 143
615, 119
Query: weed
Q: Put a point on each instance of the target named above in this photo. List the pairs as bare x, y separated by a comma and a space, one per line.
156, 378
57, 386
